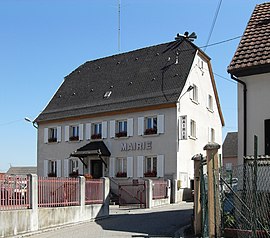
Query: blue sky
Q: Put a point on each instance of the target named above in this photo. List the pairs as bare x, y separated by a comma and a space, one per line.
42, 41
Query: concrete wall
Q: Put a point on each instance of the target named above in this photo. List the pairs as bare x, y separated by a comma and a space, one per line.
15, 222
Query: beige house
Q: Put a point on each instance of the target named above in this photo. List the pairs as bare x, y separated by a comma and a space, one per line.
143, 113
229, 151
250, 67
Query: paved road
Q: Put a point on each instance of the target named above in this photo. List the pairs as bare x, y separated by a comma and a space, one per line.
157, 222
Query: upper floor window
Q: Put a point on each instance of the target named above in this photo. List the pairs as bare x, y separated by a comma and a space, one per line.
194, 93
74, 133
210, 103
211, 135
52, 134
192, 129
121, 129
121, 167
96, 131
150, 166
150, 125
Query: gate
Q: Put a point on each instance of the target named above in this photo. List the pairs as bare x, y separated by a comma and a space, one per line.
133, 194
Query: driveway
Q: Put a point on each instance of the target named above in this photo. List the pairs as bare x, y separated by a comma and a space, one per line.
162, 221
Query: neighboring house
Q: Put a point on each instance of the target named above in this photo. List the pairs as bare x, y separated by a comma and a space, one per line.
229, 151
22, 170
143, 113
250, 67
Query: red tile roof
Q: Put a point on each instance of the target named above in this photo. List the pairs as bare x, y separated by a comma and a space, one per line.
253, 53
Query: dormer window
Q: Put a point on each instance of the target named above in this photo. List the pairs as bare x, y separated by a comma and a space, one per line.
107, 94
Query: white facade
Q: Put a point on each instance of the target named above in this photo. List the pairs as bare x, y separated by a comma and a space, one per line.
258, 99
183, 129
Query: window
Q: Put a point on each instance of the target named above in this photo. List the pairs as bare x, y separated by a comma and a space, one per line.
150, 166
73, 168
151, 126
97, 131
192, 129
194, 93
121, 129
52, 135
52, 168
212, 135
210, 103
228, 166
121, 167
74, 133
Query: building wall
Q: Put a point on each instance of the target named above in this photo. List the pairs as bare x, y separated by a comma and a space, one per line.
176, 151
258, 98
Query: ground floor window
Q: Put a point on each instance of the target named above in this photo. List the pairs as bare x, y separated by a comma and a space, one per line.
52, 168
73, 168
121, 167
150, 166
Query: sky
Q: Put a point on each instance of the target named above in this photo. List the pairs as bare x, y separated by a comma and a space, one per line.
42, 41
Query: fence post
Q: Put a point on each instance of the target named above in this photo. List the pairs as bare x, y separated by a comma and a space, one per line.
149, 193
106, 191
197, 196
169, 190
213, 189
254, 185
82, 191
33, 200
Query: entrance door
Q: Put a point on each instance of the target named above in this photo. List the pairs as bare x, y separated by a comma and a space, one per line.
96, 168
267, 136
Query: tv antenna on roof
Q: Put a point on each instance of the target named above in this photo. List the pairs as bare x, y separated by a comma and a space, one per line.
119, 11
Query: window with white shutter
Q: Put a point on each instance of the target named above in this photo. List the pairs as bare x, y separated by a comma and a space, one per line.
46, 131
140, 126
140, 170
104, 130
160, 166
130, 127
59, 134
88, 131
160, 124
129, 166
81, 132
112, 129
112, 167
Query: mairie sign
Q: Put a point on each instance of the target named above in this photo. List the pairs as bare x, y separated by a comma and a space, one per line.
146, 145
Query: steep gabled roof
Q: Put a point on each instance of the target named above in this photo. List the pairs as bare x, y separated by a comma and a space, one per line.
230, 145
253, 53
146, 77
23, 170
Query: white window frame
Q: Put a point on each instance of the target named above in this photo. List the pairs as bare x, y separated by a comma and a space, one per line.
73, 166
193, 129
153, 162
194, 95
52, 134
213, 135
151, 125
121, 128
121, 165
96, 132
210, 103
74, 132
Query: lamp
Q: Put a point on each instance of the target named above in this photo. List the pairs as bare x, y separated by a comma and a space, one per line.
33, 123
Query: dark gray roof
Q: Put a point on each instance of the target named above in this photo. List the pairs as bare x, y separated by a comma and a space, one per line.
230, 145
22, 170
144, 77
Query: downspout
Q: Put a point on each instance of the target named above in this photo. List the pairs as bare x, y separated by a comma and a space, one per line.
245, 111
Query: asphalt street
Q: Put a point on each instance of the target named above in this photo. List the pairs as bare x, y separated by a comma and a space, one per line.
162, 221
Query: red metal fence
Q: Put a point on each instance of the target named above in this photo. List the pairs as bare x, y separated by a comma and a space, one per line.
14, 192
94, 191
160, 189
58, 192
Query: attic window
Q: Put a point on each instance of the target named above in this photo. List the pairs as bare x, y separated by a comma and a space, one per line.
107, 94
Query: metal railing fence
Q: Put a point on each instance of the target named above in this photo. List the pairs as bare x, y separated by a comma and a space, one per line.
94, 191
57, 192
160, 189
14, 192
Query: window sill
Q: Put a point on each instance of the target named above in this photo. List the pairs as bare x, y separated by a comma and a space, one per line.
195, 102
192, 138
149, 135
121, 137
210, 110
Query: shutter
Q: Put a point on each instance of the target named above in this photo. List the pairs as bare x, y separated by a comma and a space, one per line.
81, 132
104, 130
112, 129
130, 127
66, 167
112, 167
59, 168
46, 130
140, 171
88, 131
66, 133
129, 166
160, 166
59, 134
160, 124
45, 168
80, 164
140, 126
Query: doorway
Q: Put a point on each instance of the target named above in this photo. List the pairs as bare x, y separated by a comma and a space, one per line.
267, 136
96, 169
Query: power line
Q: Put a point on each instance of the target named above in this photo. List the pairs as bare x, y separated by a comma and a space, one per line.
220, 42
213, 23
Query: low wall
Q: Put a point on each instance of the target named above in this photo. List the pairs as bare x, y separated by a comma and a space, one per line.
15, 222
